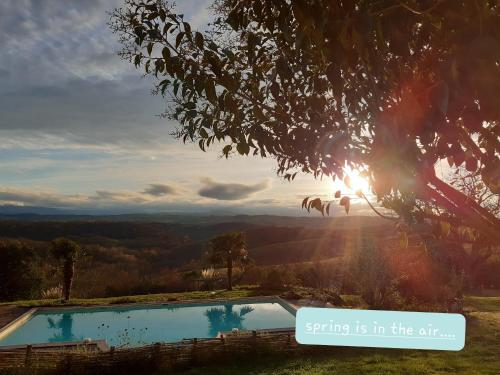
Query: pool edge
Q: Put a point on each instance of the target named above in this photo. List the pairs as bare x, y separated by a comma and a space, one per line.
16, 323
274, 298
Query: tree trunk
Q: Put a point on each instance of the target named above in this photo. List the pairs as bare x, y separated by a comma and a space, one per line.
457, 203
229, 274
68, 272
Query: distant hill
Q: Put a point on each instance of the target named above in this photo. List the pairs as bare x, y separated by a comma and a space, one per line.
13, 210
33, 213
271, 239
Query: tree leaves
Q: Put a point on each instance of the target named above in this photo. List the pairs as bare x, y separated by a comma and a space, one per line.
439, 97
304, 202
210, 91
233, 19
199, 40
178, 39
203, 133
334, 75
243, 148
165, 52
275, 89
226, 150
316, 204
346, 202
471, 164
137, 60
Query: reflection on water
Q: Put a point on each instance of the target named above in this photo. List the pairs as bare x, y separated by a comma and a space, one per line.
224, 318
62, 329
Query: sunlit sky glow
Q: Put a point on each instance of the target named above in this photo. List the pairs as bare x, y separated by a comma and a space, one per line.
80, 129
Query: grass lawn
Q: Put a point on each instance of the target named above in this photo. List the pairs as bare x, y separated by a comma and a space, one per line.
237, 292
481, 354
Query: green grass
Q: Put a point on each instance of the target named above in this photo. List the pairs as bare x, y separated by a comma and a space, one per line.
481, 354
237, 292
491, 304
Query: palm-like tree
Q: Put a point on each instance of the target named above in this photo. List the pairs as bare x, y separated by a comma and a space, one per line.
66, 252
224, 319
227, 250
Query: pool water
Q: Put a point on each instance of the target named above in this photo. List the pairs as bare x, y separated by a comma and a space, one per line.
131, 327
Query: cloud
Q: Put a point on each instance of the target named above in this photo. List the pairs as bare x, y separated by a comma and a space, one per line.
79, 89
199, 12
229, 192
99, 199
87, 112
59, 34
117, 197
47, 199
113, 202
158, 190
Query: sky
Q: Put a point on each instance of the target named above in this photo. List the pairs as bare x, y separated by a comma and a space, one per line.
80, 129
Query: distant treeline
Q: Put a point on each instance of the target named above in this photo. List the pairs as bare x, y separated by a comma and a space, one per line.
126, 258
179, 244
152, 257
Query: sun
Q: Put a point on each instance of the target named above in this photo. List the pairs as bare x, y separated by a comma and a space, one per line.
359, 183
356, 183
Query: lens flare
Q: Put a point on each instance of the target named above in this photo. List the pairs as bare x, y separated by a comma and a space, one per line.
356, 183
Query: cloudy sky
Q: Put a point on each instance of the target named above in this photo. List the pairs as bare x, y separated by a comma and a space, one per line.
80, 129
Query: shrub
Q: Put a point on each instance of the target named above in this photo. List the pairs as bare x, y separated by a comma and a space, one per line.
277, 278
320, 275
20, 274
52, 292
372, 274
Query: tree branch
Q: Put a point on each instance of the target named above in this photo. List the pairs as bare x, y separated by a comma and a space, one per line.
376, 211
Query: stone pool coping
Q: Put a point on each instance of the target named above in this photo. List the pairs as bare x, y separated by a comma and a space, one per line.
94, 345
19, 321
191, 302
16, 323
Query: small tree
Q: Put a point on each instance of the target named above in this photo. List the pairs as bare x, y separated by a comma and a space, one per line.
67, 253
371, 272
228, 250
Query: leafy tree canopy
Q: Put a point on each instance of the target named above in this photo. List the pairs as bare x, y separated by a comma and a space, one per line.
228, 248
65, 250
387, 87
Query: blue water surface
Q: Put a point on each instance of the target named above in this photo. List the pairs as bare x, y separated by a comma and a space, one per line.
130, 327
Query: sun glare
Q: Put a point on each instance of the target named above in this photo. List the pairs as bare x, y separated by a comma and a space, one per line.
357, 182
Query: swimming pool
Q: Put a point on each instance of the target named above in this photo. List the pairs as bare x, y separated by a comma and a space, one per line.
132, 326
